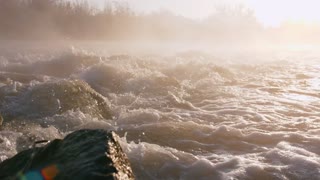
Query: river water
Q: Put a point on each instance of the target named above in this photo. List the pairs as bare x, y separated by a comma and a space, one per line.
186, 115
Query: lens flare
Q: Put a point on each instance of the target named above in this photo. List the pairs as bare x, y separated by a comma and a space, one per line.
47, 173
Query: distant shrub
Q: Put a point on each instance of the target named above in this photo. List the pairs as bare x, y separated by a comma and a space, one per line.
79, 20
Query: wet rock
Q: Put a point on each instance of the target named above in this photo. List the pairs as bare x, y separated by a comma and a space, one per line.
84, 154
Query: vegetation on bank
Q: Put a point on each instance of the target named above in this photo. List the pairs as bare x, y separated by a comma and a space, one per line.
80, 20
47, 19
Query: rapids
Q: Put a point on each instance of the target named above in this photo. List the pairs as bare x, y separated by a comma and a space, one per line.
180, 116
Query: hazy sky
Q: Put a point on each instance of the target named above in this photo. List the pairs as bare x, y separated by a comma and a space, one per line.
269, 12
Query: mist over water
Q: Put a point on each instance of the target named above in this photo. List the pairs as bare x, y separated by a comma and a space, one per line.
180, 115
224, 97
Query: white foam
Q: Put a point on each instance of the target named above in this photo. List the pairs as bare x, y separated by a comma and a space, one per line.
187, 117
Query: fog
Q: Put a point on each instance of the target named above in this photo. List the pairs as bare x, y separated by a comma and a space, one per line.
221, 97
228, 25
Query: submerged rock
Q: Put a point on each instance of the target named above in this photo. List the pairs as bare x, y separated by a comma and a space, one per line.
62, 67
84, 154
52, 98
110, 78
19, 77
1, 120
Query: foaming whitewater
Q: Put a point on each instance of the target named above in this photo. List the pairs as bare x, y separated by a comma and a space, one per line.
183, 116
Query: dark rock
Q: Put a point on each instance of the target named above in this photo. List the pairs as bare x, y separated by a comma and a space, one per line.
84, 154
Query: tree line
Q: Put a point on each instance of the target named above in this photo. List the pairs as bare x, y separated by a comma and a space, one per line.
79, 20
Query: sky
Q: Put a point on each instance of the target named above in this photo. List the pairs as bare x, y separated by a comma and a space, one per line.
268, 12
